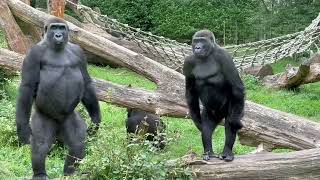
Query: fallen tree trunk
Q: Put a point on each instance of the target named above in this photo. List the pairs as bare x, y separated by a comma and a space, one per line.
262, 125
293, 165
15, 38
293, 77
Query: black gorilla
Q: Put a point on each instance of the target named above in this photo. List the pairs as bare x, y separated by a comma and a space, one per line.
139, 121
212, 78
55, 78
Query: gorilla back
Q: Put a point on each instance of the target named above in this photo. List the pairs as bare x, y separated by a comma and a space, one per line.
54, 75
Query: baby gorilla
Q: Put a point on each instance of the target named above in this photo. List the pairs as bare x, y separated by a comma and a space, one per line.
141, 122
55, 78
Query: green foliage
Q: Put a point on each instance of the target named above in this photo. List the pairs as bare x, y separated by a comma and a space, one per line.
233, 22
112, 156
3, 42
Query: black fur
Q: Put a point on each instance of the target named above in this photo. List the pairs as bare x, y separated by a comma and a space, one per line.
55, 79
212, 78
139, 121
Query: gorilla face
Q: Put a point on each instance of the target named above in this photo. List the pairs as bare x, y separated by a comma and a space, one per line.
57, 35
201, 46
203, 43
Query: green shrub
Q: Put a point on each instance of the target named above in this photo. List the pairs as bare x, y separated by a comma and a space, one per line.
112, 157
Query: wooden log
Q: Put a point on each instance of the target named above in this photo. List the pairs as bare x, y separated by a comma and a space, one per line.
262, 125
293, 77
56, 7
303, 164
259, 71
14, 36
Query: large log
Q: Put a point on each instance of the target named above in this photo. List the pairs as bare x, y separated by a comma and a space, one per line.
293, 165
15, 37
293, 77
261, 124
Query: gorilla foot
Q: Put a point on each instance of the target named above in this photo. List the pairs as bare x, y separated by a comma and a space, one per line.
40, 177
227, 157
208, 155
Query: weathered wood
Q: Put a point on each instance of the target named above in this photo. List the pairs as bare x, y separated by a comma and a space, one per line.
56, 7
273, 128
293, 77
262, 125
14, 36
259, 71
293, 165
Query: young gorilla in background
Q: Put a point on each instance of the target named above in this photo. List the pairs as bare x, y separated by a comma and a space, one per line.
212, 78
55, 78
139, 121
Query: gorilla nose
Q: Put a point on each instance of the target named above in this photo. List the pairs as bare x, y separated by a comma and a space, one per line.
58, 36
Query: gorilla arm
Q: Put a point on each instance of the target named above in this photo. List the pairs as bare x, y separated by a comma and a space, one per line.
89, 99
27, 92
191, 93
237, 88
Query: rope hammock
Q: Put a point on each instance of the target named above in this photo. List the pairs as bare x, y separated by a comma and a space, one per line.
173, 53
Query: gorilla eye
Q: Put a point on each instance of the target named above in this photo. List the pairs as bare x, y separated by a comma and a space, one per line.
62, 28
54, 27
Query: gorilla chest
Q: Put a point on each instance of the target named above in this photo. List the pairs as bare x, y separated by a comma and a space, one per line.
208, 74
60, 75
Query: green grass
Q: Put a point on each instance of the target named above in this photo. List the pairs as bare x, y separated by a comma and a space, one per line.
121, 76
280, 65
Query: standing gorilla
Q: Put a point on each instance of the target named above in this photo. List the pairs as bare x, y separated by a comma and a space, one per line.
212, 77
151, 124
55, 77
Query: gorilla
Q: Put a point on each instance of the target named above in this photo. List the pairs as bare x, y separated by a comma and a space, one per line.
212, 78
55, 79
139, 121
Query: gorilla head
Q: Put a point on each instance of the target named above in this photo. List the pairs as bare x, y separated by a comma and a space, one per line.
56, 33
203, 43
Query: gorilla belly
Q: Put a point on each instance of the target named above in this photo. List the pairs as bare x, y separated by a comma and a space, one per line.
212, 97
60, 92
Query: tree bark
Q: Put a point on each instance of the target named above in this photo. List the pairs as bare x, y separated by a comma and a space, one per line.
293, 165
293, 77
14, 36
56, 7
261, 124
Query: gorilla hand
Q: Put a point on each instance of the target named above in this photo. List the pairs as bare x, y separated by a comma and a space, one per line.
24, 134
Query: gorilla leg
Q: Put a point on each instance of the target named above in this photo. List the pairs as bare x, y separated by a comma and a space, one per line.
232, 125
208, 125
73, 133
43, 133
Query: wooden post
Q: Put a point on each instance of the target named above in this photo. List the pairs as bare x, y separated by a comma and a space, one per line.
56, 7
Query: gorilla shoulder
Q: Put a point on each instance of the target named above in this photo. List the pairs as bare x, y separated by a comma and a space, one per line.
75, 49
189, 63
